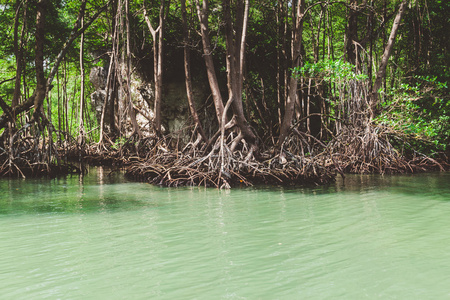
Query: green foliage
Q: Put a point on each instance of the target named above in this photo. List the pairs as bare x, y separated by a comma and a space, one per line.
332, 71
420, 109
338, 75
119, 142
7, 75
418, 106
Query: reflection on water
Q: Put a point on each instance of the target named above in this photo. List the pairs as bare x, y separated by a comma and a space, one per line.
101, 190
101, 237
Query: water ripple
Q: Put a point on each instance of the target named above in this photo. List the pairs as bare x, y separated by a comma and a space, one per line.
368, 237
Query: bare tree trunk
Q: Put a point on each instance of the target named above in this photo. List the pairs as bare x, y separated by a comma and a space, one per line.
131, 111
296, 58
316, 48
352, 31
381, 74
110, 78
109, 87
39, 57
18, 50
207, 55
59, 108
65, 99
120, 65
280, 55
235, 43
81, 132
187, 72
370, 25
158, 46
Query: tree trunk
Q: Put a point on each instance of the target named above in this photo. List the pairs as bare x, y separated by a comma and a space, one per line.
131, 111
18, 50
202, 13
158, 47
111, 78
235, 44
381, 74
39, 57
81, 132
281, 56
296, 58
187, 72
352, 31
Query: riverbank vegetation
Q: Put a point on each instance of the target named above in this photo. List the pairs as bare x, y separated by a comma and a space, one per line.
224, 93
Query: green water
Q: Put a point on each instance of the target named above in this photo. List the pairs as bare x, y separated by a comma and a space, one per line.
101, 237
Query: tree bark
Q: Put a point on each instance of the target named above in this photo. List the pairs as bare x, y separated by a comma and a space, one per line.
18, 50
352, 31
187, 72
158, 48
39, 57
235, 44
281, 56
131, 111
202, 13
381, 74
296, 58
81, 132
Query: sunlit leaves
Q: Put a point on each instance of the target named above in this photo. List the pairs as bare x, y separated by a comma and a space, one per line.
329, 71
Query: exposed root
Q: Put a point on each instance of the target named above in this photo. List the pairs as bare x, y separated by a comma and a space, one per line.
23, 155
225, 161
223, 168
367, 149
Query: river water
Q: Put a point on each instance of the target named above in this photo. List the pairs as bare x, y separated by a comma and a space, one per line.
102, 237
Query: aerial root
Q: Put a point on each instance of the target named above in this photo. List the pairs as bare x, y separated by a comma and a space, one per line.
367, 149
223, 168
23, 155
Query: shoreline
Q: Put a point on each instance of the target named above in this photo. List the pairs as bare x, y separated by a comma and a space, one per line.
173, 169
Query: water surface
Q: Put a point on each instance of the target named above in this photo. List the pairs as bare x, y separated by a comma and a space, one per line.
101, 237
